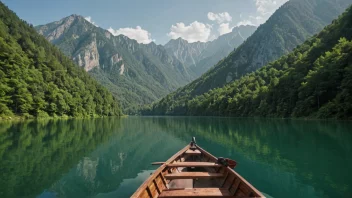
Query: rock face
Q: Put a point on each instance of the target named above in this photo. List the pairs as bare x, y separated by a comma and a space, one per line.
115, 59
187, 53
88, 58
54, 32
199, 57
122, 69
135, 73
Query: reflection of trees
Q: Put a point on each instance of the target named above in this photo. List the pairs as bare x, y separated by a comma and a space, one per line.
317, 152
35, 154
138, 143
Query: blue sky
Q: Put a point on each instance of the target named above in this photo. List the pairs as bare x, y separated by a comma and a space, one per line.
152, 20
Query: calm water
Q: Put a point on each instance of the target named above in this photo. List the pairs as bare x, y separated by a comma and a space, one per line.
111, 157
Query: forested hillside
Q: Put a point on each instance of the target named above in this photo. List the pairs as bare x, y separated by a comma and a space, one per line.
315, 80
289, 26
135, 73
37, 80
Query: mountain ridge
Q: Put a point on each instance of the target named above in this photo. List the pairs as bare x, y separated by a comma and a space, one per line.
313, 81
136, 73
200, 56
37, 80
289, 26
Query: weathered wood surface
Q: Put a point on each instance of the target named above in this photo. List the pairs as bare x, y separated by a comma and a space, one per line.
193, 152
174, 178
193, 175
194, 164
196, 192
157, 163
141, 191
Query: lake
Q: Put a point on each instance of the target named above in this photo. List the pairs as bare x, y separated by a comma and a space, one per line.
110, 157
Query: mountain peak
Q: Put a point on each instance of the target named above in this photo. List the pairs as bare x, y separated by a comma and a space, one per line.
177, 41
71, 17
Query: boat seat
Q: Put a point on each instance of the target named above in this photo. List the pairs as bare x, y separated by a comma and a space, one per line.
192, 175
180, 183
194, 164
196, 192
193, 152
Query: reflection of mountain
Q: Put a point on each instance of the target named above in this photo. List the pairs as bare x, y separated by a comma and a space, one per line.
111, 157
35, 154
294, 155
124, 156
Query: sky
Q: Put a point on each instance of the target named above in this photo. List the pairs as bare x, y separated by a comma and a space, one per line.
153, 20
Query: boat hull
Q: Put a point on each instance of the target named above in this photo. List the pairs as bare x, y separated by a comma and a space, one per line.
193, 172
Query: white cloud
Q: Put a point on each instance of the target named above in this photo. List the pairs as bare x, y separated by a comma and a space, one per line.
265, 8
138, 34
268, 7
89, 19
220, 17
245, 22
224, 28
194, 32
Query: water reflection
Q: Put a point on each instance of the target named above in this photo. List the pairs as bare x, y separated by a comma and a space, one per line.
291, 158
124, 159
35, 154
111, 157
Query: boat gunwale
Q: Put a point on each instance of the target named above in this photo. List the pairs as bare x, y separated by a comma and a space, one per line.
243, 180
159, 170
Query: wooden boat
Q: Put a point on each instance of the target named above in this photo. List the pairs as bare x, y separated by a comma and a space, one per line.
193, 172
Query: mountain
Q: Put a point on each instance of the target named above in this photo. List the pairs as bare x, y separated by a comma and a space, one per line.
198, 57
37, 80
135, 73
186, 53
315, 80
289, 26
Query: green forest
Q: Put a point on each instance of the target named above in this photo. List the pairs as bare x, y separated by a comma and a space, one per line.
37, 80
314, 81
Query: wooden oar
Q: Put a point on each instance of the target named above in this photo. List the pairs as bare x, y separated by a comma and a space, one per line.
158, 163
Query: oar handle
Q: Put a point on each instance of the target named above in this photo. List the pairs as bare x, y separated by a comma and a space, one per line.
158, 163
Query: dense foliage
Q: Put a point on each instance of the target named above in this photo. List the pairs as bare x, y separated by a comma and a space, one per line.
135, 73
37, 80
315, 80
47, 150
289, 26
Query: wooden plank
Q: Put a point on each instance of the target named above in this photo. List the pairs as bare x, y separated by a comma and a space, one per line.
196, 192
227, 175
149, 192
193, 175
158, 163
145, 194
193, 152
157, 187
194, 164
256, 193
144, 186
235, 186
244, 189
239, 193
160, 184
229, 181
181, 183
152, 189
163, 179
